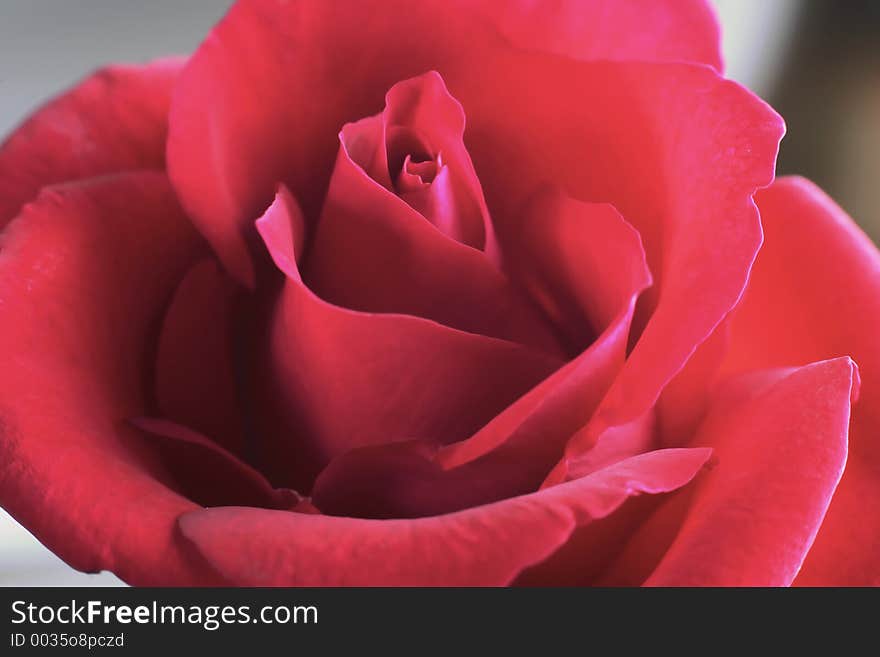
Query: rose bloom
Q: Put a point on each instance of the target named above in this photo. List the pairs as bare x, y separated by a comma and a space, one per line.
435, 293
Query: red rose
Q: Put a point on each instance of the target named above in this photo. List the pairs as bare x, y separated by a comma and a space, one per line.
434, 293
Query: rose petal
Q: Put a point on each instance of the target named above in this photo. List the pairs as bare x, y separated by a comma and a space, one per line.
421, 118
399, 480
350, 379
587, 266
509, 456
780, 455
115, 120
582, 263
281, 80
654, 533
567, 250
85, 273
586, 555
678, 150
195, 372
206, 473
548, 414
700, 228
615, 444
650, 536
487, 545
815, 293
373, 252
671, 423
662, 30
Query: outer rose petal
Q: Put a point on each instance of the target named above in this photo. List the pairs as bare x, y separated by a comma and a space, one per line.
85, 273
485, 545
815, 293
660, 30
113, 121
780, 454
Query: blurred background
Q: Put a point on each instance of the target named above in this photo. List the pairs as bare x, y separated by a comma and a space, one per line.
816, 61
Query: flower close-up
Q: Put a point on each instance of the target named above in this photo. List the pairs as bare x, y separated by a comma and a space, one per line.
444, 293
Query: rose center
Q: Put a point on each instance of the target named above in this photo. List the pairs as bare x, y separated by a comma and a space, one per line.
417, 174
412, 163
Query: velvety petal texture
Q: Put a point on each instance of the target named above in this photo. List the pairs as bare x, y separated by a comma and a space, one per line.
115, 120
780, 450
815, 293
660, 30
85, 271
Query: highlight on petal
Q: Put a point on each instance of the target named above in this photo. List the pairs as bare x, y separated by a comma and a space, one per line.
112, 121
347, 379
649, 30
779, 456
85, 274
815, 293
486, 545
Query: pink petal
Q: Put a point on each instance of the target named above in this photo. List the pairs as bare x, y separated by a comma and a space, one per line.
375, 253
686, 398
576, 256
85, 273
780, 454
113, 121
195, 378
486, 545
582, 263
815, 293
279, 80
661, 30
348, 379
676, 149
422, 109
698, 223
